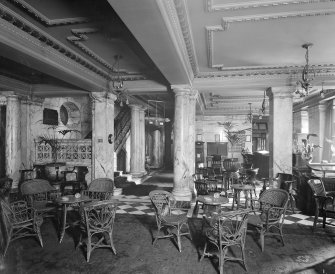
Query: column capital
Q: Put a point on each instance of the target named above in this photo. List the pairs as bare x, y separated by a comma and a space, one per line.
185, 90
280, 92
103, 96
137, 107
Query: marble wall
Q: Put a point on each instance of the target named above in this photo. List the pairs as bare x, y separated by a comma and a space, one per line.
208, 128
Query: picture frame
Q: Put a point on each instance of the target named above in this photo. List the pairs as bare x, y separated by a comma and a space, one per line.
248, 138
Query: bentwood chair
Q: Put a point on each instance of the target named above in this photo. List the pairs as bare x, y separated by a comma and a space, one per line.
168, 217
100, 189
18, 221
227, 229
40, 195
97, 220
324, 201
270, 215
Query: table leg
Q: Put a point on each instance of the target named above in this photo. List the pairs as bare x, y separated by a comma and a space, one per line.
62, 232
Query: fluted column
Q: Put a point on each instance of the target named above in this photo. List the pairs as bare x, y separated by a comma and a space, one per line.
183, 164
136, 160
280, 129
13, 138
102, 135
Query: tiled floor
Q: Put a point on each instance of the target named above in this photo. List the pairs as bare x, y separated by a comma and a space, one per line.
141, 205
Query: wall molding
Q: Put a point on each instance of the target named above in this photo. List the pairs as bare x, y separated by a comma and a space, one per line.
211, 7
47, 21
227, 21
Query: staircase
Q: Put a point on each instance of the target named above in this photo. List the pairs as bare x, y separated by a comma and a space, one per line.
121, 127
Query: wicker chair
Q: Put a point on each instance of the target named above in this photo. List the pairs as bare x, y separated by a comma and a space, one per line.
98, 221
168, 217
100, 189
5, 187
227, 229
272, 207
18, 221
40, 195
324, 201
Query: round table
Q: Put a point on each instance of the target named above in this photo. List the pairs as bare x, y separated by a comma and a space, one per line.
211, 203
237, 194
67, 201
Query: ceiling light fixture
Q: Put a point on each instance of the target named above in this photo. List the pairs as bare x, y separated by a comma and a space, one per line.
308, 75
322, 92
115, 82
249, 115
156, 117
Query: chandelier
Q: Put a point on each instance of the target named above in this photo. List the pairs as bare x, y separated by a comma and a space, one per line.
115, 82
154, 116
308, 75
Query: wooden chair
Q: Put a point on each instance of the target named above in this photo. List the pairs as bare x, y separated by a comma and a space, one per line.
74, 180
18, 221
227, 229
272, 206
100, 189
40, 195
98, 222
168, 217
324, 201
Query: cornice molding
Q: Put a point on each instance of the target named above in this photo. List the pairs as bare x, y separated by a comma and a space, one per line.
185, 26
47, 21
227, 21
80, 37
211, 7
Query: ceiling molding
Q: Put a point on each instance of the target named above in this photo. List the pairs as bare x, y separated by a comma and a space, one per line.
211, 7
80, 37
313, 100
227, 21
14, 85
185, 26
47, 21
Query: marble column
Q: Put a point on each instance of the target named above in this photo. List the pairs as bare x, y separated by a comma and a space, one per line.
300, 121
102, 135
280, 130
142, 140
13, 138
183, 165
136, 161
168, 146
156, 148
191, 133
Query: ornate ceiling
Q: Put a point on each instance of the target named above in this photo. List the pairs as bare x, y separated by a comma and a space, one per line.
230, 51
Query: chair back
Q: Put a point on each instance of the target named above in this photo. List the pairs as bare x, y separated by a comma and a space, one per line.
231, 227
317, 187
274, 197
99, 215
201, 187
102, 185
36, 186
162, 201
212, 185
5, 187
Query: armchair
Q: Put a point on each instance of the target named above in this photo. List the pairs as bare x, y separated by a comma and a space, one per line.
227, 229
324, 201
272, 207
39, 194
100, 189
168, 217
18, 221
97, 219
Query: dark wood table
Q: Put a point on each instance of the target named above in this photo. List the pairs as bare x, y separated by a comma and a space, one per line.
237, 194
66, 202
211, 203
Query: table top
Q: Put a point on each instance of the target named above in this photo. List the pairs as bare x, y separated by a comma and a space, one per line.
242, 187
210, 200
71, 199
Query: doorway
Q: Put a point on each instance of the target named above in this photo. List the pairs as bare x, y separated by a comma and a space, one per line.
121, 161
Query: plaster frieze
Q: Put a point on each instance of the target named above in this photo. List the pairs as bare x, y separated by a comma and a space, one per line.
227, 21
211, 7
47, 21
185, 26
37, 38
177, 29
